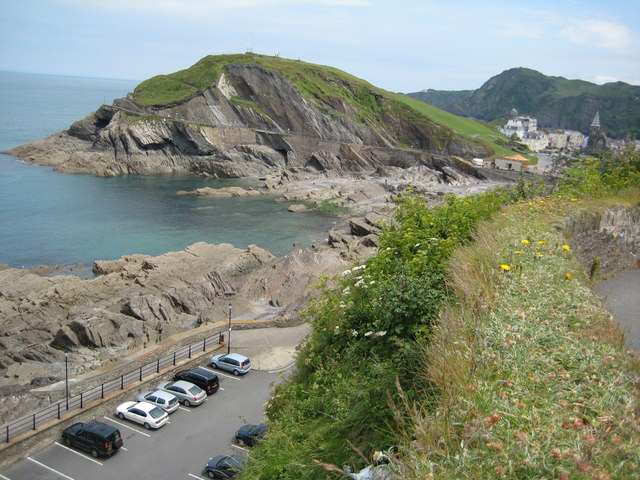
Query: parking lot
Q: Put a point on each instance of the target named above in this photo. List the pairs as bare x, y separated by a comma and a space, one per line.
178, 450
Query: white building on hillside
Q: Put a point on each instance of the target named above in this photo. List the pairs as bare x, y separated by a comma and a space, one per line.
520, 125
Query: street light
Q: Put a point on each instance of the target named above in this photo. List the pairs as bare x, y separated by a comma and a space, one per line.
229, 340
66, 377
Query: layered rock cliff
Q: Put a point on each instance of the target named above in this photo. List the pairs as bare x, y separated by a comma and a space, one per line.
254, 116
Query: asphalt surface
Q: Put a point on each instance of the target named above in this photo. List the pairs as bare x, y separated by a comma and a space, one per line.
181, 448
621, 295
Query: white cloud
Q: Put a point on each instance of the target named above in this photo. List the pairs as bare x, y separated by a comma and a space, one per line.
200, 7
598, 33
600, 79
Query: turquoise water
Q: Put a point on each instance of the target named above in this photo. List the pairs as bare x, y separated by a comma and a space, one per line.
48, 218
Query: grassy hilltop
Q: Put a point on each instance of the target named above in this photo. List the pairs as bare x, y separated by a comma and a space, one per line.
470, 346
316, 83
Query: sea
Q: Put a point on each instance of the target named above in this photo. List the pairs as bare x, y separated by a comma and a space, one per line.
54, 219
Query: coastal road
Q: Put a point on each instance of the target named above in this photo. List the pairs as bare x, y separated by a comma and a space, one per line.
178, 450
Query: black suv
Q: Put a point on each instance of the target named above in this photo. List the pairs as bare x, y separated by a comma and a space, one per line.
202, 377
95, 437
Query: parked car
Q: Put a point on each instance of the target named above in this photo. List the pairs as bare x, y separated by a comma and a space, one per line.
224, 466
187, 393
95, 437
232, 362
251, 434
144, 413
165, 401
202, 377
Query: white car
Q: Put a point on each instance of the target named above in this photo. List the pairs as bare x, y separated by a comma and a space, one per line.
165, 401
143, 413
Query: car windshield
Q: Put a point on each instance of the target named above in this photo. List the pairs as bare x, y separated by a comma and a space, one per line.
156, 412
195, 390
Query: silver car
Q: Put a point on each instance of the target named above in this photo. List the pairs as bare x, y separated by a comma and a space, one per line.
187, 393
165, 401
232, 362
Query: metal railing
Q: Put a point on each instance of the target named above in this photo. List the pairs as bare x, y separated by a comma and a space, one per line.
57, 410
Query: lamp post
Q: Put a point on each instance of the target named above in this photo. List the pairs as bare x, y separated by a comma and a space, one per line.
66, 378
229, 340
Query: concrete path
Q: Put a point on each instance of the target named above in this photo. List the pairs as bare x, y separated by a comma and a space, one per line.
621, 296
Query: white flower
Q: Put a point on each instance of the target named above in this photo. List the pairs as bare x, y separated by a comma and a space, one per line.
360, 267
372, 282
343, 305
416, 245
346, 291
346, 272
336, 329
381, 334
368, 334
354, 333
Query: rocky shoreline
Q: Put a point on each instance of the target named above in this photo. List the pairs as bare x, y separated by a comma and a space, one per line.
138, 300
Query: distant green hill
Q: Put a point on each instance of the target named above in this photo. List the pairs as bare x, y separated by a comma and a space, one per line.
555, 101
442, 98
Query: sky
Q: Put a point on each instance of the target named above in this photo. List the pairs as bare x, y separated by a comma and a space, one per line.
399, 45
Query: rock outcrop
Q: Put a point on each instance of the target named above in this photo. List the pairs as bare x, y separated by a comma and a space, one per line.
250, 123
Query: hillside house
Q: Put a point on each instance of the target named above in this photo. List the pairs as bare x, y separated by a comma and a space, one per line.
520, 125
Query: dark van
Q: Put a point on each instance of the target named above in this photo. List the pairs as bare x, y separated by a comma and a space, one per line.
97, 438
202, 377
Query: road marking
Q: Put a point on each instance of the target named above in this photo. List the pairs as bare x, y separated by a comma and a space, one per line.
49, 468
185, 409
3, 477
233, 377
195, 476
240, 448
78, 453
127, 426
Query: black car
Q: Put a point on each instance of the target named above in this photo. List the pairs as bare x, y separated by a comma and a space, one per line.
250, 434
224, 466
202, 377
95, 437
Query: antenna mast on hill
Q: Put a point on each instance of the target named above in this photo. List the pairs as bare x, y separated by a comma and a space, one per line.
249, 48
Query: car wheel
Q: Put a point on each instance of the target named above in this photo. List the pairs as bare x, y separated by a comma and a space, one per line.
210, 474
214, 365
94, 453
121, 416
147, 426
236, 373
67, 441
187, 403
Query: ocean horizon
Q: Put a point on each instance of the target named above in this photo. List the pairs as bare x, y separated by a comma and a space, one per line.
49, 218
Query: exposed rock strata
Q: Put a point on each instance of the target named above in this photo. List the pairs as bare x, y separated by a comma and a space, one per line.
274, 129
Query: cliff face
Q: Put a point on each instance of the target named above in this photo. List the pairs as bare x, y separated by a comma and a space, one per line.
252, 121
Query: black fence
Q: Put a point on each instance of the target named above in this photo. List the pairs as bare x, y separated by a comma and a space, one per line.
56, 411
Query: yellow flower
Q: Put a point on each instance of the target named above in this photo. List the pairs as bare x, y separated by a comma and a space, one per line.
539, 255
574, 199
566, 247
506, 268
541, 242
524, 242
517, 252
568, 276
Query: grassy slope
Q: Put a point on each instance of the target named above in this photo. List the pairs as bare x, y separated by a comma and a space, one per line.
315, 82
534, 379
464, 126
